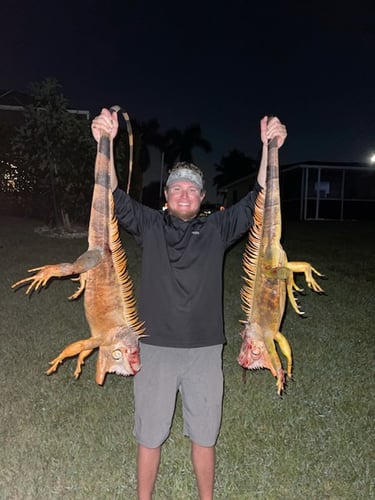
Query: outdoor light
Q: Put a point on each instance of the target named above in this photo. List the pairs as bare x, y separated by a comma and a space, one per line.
372, 158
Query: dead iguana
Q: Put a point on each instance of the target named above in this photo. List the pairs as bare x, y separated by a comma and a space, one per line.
268, 278
109, 301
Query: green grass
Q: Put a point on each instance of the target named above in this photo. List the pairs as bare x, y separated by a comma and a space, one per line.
62, 438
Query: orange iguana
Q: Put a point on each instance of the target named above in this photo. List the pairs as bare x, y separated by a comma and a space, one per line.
268, 278
109, 301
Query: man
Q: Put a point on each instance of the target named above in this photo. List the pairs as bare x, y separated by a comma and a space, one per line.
181, 304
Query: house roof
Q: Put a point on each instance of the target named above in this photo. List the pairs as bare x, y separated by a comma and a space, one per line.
290, 166
14, 98
324, 164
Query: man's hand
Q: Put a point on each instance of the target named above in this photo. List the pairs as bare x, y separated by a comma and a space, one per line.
270, 128
105, 122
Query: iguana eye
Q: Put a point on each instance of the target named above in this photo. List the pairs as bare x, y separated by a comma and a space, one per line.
116, 354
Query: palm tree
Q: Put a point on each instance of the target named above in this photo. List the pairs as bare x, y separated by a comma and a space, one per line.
145, 134
174, 145
179, 145
234, 166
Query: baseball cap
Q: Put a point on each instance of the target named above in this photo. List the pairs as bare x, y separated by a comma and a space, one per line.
184, 171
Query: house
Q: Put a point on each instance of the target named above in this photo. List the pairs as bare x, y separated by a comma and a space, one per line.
315, 190
12, 106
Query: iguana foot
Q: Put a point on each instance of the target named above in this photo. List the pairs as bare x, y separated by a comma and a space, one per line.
307, 269
54, 365
81, 361
38, 280
44, 274
280, 382
82, 285
311, 283
77, 372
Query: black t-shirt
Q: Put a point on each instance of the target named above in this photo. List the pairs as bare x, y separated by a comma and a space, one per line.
182, 265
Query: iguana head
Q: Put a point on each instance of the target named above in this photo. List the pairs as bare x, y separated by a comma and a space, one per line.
121, 356
253, 354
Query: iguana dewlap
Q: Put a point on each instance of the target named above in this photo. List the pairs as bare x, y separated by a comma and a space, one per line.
109, 301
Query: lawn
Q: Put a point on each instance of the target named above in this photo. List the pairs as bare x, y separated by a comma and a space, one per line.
62, 438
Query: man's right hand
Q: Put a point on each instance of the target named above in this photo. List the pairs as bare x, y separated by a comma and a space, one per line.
105, 122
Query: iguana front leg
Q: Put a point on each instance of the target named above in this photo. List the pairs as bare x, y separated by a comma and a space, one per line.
86, 261
81, 361
81, 347
286, 350
274, 362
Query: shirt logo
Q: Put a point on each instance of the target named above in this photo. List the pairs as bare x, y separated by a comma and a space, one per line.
195, 232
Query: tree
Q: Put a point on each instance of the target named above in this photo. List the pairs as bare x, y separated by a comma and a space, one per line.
151, 196
56, 149
145, 134
178, 146
12, 179
234, 166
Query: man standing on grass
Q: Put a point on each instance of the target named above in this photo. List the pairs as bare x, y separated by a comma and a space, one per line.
181, 304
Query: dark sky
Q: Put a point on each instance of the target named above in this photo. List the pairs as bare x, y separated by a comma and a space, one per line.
222, 64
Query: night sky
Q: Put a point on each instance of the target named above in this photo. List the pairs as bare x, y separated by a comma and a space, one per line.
222, 64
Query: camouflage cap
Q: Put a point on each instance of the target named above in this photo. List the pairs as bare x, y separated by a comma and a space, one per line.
185, 171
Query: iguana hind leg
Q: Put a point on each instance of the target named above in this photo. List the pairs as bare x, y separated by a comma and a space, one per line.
82, 283
86, 261
307, 269
44, 274
290, 286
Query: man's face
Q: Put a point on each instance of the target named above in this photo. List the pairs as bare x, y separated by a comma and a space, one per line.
184, 199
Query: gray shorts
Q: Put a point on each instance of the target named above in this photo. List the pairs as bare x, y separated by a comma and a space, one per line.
197, 373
